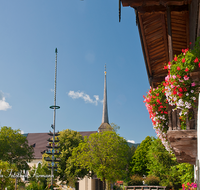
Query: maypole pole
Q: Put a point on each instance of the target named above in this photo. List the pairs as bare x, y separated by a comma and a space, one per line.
54, 107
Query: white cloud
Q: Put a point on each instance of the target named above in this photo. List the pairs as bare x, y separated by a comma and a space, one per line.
3, 104
85, 97
131, 141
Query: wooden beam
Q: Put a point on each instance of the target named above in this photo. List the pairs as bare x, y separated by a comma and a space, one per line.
187, 29
170, 45
198, 25
161, 8
145, 44
194, 15
143, 49
165, 35
138, 3
158, 79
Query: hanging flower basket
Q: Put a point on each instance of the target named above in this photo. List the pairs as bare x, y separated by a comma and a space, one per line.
173, 104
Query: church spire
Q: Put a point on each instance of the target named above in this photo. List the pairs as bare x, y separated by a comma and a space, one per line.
105, 126
105, 107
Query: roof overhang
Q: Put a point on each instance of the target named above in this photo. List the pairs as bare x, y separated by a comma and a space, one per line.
165, 27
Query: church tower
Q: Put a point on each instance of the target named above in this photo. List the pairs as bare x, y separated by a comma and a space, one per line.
105, 126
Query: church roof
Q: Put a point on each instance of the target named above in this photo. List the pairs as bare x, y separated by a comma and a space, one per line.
39, 141
105, 123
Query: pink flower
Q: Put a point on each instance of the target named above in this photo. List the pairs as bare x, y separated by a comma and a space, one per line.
174, 76
186, 77
193, 84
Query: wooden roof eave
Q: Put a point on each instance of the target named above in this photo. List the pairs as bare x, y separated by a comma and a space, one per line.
143, 50
139, 3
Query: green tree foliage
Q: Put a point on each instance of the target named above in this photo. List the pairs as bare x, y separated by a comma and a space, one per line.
135, 180
160, 161
7, 169
67, 171
37, 176
152, 159
164, 165
103, 153
14, 148
186, 172
140, 159
114, 127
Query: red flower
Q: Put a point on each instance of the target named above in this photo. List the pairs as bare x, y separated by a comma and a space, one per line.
175, 58
180, 90
165, 67
157, 94
165, 112
186, 70
196, 60
180, 95
174, 92
158, 101
199, 64
179, 76
190, 43
185, 89
178, 68
183, 60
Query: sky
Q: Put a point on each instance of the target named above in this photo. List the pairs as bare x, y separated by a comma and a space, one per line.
87, 34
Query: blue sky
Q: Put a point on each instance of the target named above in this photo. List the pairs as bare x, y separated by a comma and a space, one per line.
88, 35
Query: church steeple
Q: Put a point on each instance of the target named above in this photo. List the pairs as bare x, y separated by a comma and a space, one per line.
105, 126
105, 107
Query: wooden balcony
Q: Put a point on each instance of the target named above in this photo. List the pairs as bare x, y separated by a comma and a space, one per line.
183, 142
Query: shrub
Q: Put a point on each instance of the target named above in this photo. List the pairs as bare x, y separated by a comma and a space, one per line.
152, 180
34, 186
136, 180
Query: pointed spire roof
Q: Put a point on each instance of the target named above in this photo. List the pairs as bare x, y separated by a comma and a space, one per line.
105, 123
105, 107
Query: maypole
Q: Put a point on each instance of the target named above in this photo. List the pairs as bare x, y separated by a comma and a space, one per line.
54, 107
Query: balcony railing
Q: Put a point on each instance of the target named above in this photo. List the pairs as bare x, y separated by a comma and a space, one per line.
183, 142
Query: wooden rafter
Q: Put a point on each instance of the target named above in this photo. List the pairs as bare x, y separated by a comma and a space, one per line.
145, 44
170, 45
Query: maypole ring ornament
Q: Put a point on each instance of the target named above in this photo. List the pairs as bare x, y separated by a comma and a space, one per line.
56, 107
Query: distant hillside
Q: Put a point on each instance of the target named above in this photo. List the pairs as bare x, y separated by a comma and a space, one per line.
133, 144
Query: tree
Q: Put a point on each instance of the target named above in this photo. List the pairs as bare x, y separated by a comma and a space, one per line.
114, 127
67, 170
6, 170
140, 159
38, 177
103, 153
14, 148
164, 165
161, 162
